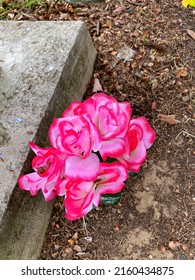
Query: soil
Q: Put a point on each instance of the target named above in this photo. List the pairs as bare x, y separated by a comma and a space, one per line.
155, 218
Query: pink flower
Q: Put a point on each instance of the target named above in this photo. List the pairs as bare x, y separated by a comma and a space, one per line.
74, 136
111, 119
140, 136
85, 169
49, 165
71, 168
80, 196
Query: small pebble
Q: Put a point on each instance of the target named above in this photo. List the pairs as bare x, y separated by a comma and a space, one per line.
77, 248
18, 120
11, 166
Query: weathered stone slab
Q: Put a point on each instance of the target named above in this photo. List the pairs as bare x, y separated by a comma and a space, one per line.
43, 67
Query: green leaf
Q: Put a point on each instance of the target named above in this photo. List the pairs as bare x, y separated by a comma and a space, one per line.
133, 174
111, 199
110, 160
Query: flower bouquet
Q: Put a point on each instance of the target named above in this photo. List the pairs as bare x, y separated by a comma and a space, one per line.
94, 145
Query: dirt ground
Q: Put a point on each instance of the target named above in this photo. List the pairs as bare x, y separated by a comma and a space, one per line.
155, 218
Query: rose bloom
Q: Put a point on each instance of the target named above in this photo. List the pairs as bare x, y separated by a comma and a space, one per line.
81, 196
111, 119
140, 136
48, 165
74, 136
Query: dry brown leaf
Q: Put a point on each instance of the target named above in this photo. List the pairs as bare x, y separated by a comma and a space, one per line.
170, 119
54, 255
75, 236
181, 72
191, 33
185, 247
153, 107
174, 245
118, 11
71, 241
97, 86
162, 248
116, 229
114, 53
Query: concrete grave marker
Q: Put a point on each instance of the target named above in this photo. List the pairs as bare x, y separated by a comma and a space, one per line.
44, 66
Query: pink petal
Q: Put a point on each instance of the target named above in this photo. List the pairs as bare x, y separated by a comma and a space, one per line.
37, 150
111, 179
134, 160
54, 132
102, 98
112, 148
78, 168
79, 199
31, 182
95, 134
138, 155
70, 111
148, 136
107, 122
122, 127
125, 108
49, 192
61, 186
134, 167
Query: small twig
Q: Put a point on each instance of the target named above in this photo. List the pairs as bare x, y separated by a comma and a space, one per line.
122, 240
26, 15
98, 28
85, 227
135, 4
185, 132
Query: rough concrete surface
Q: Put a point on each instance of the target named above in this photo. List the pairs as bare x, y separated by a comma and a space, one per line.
43, 67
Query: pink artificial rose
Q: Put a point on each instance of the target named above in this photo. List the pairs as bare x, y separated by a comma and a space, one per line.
140, 136
85, 169
49, 166
74, 136
111, 119
80, 196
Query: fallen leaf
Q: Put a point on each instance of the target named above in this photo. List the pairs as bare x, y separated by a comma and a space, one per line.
185, 213
56, 247
77, 248
71, 241
174, 245
153, 107
185, 98
184, 247
67, 251
54, 255
126, 53
116, 229
114, 53
11, 15
88, 239
75, 236
170, 119
162, 248
181, 72
177, 190
117, 11
191, 33
97, 86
